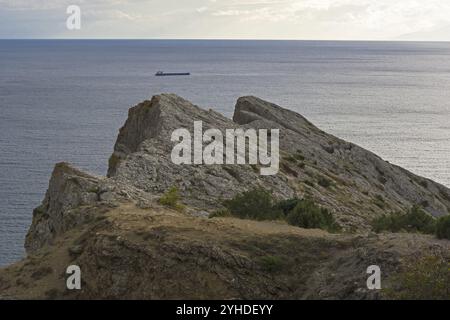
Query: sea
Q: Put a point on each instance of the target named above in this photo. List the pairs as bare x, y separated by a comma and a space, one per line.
64, 100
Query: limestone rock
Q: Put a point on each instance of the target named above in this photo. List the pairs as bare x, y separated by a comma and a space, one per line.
129, 246
352, 182
355, 184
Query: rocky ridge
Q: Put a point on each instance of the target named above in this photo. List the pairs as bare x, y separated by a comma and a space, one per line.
362, 185
129, 246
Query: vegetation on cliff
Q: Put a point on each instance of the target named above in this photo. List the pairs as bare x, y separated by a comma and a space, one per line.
171, 199
259, 204
443, 227
421, 278
416, 221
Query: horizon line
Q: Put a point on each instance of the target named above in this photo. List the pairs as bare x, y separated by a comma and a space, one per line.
225, 39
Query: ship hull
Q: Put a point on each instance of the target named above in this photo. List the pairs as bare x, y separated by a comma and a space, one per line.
172, 74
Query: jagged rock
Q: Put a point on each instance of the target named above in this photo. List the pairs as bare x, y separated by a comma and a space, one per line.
147, 164
360, 177
362, 186
74, 198
68, 189
129, 246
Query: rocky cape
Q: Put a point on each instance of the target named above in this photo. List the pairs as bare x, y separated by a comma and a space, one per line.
129, 246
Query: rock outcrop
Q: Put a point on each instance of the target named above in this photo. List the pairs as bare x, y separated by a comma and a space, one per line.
142, 156
74, 198
129, 246
354, 183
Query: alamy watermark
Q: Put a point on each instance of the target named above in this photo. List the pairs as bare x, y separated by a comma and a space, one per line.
73, 21
374, 280
231, 149
73, 281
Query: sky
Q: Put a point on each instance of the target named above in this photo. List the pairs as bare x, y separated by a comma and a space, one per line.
422, 20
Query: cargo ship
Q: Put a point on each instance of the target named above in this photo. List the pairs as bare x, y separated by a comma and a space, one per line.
161, 74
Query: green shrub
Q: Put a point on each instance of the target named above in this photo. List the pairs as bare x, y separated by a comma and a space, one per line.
420, 221
391, 222
427, 278
306, 214
171, 198
416, 220
443, 228
257, 204
287, 205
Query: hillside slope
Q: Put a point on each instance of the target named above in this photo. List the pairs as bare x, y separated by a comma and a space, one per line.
156, 253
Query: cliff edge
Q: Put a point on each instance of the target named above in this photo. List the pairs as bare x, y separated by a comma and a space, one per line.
130, 246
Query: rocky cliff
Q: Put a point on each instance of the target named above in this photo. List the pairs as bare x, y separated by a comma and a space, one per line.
362, 185
129, 246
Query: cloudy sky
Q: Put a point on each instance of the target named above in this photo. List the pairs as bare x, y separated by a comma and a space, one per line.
230, 19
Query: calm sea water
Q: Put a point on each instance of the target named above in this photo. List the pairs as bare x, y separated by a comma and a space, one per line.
65, 101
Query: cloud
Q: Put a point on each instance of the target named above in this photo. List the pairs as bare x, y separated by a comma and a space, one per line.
297, 19
201, 9
373, 19
29, 5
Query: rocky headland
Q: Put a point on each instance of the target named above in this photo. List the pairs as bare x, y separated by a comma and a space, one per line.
130, 246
